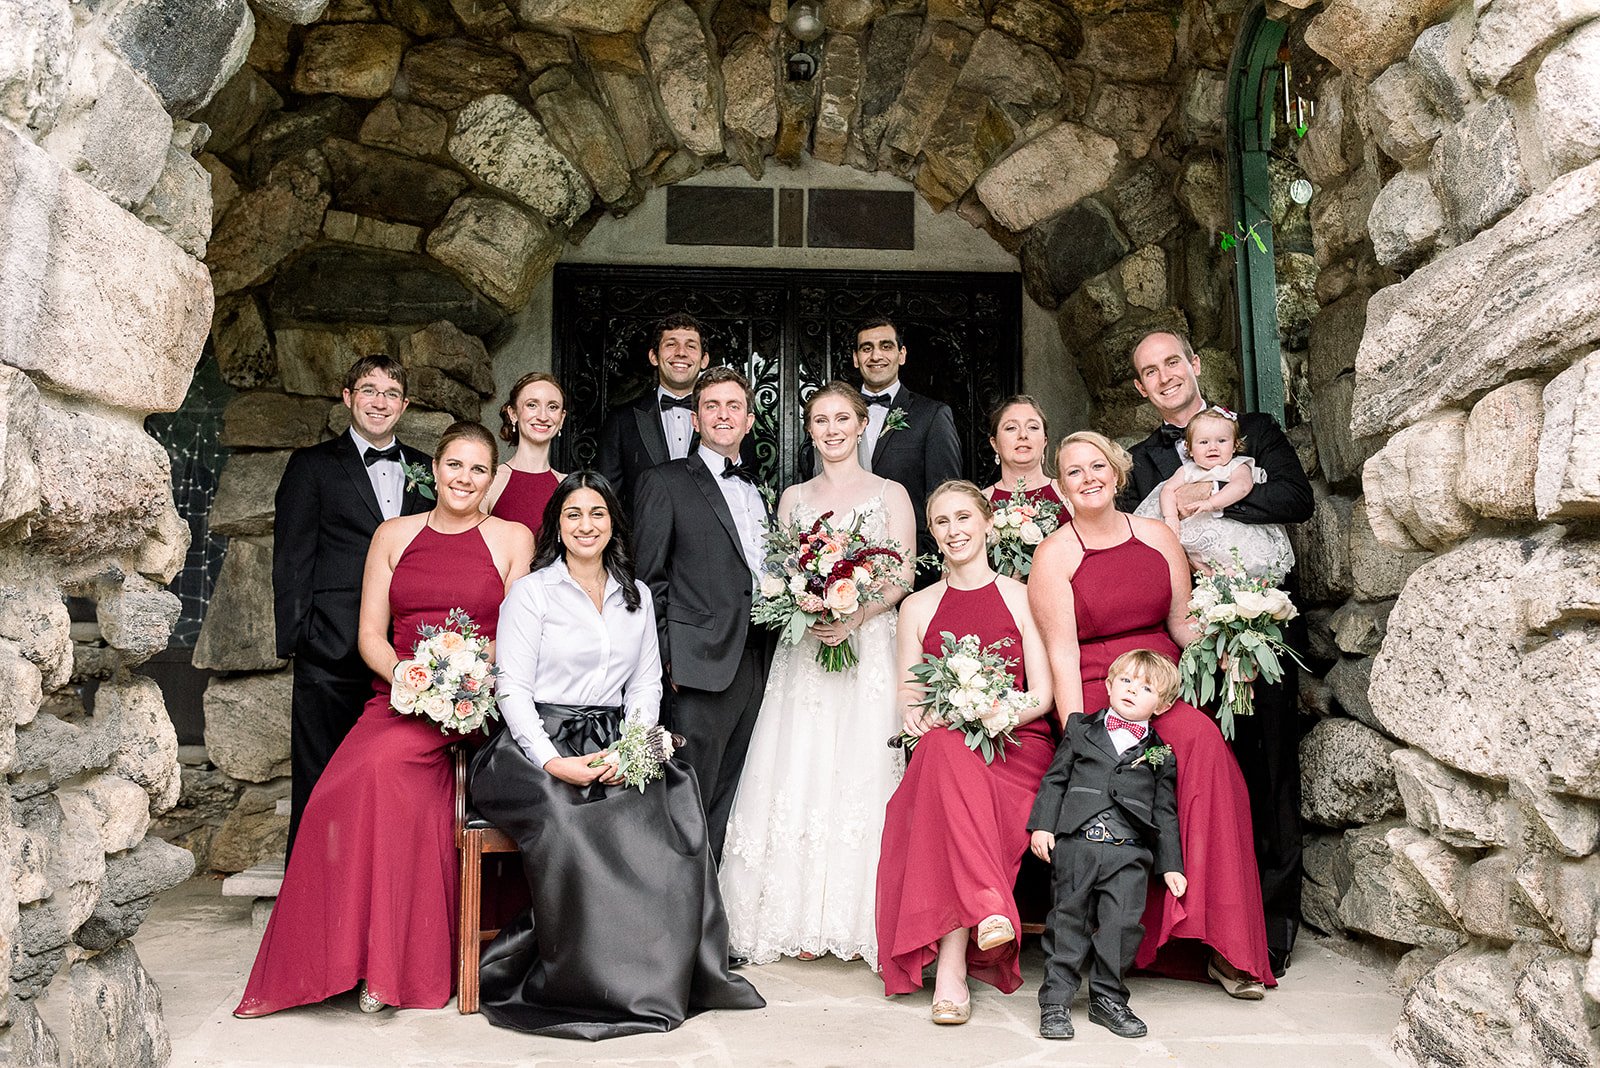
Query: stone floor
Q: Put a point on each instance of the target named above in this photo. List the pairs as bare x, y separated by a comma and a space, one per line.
1332, 1010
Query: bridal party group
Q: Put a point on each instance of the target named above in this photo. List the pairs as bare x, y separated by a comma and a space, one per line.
726, 726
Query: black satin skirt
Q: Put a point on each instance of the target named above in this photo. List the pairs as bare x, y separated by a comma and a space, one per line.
626, 933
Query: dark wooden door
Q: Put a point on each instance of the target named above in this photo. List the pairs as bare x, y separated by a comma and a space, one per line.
789, 331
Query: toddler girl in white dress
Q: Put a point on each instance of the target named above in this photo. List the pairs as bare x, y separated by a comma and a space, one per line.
1210, 538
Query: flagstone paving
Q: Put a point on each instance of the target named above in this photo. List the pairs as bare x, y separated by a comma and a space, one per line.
1332, 1010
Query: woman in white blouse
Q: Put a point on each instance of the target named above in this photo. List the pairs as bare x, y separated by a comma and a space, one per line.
626, 931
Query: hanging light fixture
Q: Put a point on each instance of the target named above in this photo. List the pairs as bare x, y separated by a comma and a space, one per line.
805, 20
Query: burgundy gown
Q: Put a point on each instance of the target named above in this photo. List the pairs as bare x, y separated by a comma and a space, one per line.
956, 828
1045, 492
372, 884
524, 498
1122, 595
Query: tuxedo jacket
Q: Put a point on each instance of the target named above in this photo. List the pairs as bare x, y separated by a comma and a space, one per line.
632, 442
919, 457
1087, 777
326, 513
1285, 497
686, 549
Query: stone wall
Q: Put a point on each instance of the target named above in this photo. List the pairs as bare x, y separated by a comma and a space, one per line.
399, 176
104, 309
1456, 393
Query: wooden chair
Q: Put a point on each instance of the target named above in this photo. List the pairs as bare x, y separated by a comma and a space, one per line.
475, 836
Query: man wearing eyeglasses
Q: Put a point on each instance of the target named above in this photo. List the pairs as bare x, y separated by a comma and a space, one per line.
332, 497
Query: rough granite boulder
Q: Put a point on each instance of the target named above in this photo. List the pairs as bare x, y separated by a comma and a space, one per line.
186, 69
34, 64
500, 142
238, 632
349, 58
112, 131
1457, 809
116, 1012
686, 76
1346, 775
1569, 100
245, 492
1567, 480
497, 246
1047, 175
1365, 36
1410, 485
1453, 329
88, 507
1504, 424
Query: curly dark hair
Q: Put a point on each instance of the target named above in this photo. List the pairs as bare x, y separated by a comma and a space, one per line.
616, 557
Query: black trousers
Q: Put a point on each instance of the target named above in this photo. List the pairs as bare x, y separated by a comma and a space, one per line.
1099, 900
325, 704
716, 728
1267, 746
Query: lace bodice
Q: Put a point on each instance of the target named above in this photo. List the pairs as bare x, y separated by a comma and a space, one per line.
873, 512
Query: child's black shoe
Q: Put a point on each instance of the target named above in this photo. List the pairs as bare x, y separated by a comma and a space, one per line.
1055, 1021
1116, 1017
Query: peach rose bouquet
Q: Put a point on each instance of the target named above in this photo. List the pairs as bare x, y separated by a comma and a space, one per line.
449, 677
822, 574
1240, 620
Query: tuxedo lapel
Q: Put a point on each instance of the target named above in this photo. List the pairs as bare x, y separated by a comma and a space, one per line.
706, 482
350, 459
1102, 737
904, 400
647, 414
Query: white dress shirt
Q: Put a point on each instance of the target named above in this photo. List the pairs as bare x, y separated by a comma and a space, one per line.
677, 425
749, 511
553, 647
1122, 739
387, 477
876, 414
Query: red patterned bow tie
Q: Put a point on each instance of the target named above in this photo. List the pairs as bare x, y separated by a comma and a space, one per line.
1114, 721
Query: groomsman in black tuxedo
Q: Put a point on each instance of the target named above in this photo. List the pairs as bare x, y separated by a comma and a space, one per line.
658, 426
910, 438
697, 530
332, 497
1166, 372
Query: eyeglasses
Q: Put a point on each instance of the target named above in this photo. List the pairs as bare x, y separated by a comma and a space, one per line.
370, 392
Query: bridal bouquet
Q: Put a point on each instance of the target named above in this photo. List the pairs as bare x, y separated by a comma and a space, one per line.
822, 574
1020, 524
449, 678
969, 687
1240, 639
640, 753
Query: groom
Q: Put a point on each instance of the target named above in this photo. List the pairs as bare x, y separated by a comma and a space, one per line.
1166, 373
698, 523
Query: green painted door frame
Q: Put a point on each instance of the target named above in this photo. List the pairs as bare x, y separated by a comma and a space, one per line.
1252, 94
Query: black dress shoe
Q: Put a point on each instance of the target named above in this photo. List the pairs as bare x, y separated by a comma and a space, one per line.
1116, 1017
1279, 960
1055, 1021
736, 961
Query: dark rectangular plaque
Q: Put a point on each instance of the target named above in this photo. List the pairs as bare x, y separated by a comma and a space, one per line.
715, 215
861, 218
791, 218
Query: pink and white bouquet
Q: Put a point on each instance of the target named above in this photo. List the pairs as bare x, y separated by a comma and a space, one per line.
969, 687
1240, 640
823, 574
449, 678
1020, 524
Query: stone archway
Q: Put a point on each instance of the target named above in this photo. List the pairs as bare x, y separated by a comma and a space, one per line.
1454, 157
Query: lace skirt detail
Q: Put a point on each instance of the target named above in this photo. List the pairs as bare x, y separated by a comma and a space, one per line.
799, 870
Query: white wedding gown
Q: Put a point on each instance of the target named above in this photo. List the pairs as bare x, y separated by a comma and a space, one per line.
800, 865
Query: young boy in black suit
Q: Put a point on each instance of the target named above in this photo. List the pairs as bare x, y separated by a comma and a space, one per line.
1111, 796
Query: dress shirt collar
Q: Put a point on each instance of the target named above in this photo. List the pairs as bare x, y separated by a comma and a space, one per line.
715, 462
362, 444
893, 392
663, 391
557, 574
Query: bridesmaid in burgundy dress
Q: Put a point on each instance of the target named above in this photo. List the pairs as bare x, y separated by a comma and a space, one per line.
530, 421
1103, 584
956, 828
369, 897
1020, 437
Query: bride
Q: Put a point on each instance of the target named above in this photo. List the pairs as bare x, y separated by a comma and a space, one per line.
800, 866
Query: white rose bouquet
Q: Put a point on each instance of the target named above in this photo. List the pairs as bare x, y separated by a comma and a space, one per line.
1020, 524
1240, 638
969, 687
449, 678
640, 753
823, 574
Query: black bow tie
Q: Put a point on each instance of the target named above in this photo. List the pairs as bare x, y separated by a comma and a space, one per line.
1170, 434
669, 402
884, 399
733, 470
391, 453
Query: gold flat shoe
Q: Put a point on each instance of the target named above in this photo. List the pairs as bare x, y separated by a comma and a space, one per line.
1242, 987
994, 931
367, 1000
948, 1012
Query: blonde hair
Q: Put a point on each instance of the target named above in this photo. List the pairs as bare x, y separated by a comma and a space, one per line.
1115, 454
959, 485
1147, 665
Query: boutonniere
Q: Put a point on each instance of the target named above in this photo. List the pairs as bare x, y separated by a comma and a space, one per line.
769, 496
419, 478
1155, 756
895, 420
